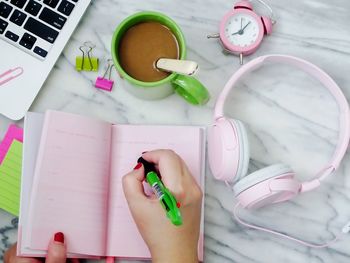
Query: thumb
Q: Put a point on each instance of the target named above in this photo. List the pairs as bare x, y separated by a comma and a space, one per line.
57, 251
132, 184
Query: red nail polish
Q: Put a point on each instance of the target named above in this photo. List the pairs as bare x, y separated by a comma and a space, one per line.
59, 237
138, 166
178, 205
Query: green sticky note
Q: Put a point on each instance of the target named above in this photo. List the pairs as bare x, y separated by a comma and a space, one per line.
10, 178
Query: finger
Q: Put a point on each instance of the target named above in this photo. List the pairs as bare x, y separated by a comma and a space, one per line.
186, 188
170, 168
57, 251
167, 161
23, 260
10, 256
132, 183
157, 156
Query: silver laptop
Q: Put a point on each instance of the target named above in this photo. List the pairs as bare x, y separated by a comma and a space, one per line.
33, 34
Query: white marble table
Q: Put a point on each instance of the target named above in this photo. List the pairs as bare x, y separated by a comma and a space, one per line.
289, 117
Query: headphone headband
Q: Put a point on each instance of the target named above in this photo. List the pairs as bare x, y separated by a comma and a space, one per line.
326, 80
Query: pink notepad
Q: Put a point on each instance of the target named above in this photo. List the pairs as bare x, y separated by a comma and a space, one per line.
13, 133
75, 185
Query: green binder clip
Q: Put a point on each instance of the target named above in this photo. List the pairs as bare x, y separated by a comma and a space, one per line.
89, 64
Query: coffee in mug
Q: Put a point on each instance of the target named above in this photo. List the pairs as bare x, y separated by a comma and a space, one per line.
137, 44
142, 45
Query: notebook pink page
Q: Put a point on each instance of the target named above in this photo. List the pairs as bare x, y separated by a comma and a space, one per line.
128, 142
77, 182
33, 125
70, 186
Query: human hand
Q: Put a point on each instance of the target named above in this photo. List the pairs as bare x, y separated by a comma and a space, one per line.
56, 252
166, 242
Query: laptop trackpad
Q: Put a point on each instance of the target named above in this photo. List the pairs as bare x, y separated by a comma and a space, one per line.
19, 80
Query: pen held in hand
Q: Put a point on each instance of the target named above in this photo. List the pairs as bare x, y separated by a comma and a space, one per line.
166, 199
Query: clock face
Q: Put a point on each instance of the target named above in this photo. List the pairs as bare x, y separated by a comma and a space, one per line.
242, 30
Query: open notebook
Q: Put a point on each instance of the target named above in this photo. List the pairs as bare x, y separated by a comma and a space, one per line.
71, 182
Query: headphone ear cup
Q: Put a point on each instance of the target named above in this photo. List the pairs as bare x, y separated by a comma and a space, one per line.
222, 146
228, 150
244, 149
271, 184
259, 176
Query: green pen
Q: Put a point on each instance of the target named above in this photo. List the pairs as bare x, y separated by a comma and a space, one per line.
166, 199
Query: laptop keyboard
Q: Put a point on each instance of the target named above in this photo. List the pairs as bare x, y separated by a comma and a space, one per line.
33, 25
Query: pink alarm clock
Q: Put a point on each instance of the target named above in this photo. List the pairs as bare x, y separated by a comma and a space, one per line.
242, 30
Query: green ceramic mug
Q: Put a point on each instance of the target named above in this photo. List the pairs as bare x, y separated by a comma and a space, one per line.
187, 87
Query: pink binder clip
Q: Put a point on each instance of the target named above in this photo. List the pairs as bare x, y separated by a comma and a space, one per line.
10, 75
102, 82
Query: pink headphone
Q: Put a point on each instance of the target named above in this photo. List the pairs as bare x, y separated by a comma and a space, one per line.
229, 149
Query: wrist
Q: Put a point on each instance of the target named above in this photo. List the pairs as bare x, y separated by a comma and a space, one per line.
175, 257
179, 259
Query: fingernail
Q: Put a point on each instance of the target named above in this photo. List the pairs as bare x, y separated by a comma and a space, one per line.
144, 152
138, 166
178, 205
59, 237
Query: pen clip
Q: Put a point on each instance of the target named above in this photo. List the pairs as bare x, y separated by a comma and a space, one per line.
173, 213
17, 72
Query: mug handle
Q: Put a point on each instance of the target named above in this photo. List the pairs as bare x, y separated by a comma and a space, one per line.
191, 90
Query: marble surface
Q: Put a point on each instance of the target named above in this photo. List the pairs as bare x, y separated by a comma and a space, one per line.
290, 118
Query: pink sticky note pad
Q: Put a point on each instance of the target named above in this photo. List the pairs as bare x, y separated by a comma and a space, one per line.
13, 133
104, 84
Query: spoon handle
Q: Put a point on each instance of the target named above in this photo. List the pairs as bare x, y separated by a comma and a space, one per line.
183, 67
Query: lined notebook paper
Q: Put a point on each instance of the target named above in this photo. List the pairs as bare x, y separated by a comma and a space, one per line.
128, 142
10, 178
76, 183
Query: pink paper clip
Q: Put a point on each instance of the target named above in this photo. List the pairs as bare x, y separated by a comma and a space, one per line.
16, 72
102, 82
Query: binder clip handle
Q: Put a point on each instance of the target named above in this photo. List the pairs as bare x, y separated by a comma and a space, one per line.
86, 50
109, 68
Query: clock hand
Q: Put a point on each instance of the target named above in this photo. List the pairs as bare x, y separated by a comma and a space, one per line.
241, 22
246, 26
241, 31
